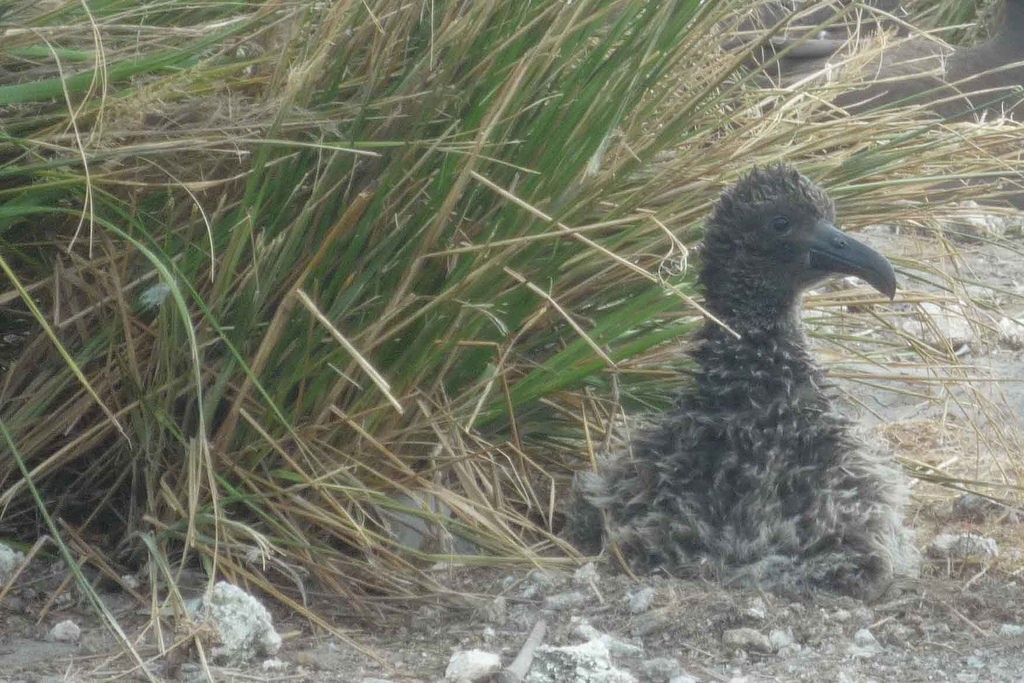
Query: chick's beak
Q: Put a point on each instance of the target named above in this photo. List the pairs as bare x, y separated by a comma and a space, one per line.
833, 251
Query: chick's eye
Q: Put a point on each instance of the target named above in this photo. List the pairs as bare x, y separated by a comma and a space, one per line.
780, 224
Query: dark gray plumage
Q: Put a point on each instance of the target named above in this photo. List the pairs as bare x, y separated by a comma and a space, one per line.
811, 35
753, 474
951, 82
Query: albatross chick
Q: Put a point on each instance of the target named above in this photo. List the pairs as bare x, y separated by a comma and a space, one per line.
753, 474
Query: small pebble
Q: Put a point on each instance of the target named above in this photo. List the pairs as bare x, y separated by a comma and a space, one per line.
962, 546
746, 639
640, 599
496, 611
616, 646
791, 650
470, 666
865, 638
780, 639
653, 621
756, 610
864, 644
562, 601
970, 507
585, 575
1011, 630
66, 631
661, 669
538, 583
274, 665
683, 678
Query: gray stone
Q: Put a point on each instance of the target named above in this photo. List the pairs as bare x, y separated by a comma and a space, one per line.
947, 323
471, 666
274, 664
496, 611
974, 220
963, 546
564, 601
10, 560
617, 646
640, 599
746, 639
415, 521
864, 644
653, 621
66, 631
244, 625
538, 583
841, 615
1011, 630
586, 575
756, 610
1011, 333
661, 669
780, 639
865, 638
970, 507
791, 650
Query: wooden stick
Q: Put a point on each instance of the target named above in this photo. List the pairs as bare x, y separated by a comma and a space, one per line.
520, 666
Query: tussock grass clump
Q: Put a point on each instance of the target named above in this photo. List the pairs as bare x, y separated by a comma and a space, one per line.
282, 279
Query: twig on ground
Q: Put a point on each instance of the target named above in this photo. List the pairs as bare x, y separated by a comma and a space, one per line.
517, 670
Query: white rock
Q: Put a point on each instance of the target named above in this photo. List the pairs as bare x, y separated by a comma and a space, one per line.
1011, 630
780, 639
538, 583
616, 646
963, 546
661, 669
941, 323
791, 650
496, 611
841, 615
66, 631
683, 678
10, 560
470, 666
586, 575
640, 600
1011, 333
864, 644
865, 638
243, 624
413, 523
746, 639
589, 662
274, 664
976, 221
563, 601
756, 610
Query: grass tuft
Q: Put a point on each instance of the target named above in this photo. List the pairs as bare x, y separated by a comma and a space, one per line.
287, 279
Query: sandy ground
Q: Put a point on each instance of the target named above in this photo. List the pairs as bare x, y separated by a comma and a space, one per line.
963, 620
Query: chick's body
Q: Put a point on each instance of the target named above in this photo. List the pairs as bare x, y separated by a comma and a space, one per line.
753, 474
